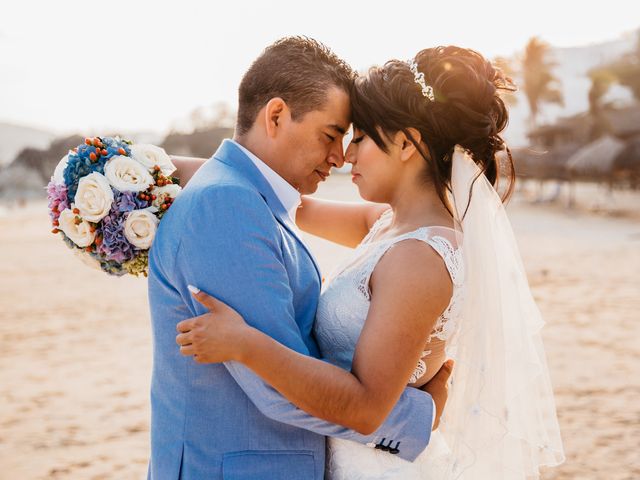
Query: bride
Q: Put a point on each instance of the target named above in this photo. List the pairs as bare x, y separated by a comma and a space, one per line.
437, 275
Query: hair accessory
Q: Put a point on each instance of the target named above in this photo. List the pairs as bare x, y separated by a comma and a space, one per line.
427, 90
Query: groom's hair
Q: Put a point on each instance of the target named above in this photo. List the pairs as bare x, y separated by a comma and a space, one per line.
299, 70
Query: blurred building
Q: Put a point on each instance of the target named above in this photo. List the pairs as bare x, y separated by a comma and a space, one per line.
569, 150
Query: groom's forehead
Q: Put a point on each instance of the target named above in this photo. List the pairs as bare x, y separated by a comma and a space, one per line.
335, 113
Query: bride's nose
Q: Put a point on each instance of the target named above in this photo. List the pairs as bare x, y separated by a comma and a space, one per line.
350, 154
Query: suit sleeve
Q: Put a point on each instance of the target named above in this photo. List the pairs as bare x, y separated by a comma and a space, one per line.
240, 261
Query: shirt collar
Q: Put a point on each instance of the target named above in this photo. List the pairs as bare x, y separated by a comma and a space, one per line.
286, 193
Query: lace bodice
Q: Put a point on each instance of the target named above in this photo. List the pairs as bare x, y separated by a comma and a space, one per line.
345, 299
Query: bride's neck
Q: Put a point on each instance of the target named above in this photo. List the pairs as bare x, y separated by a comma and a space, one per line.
415, 204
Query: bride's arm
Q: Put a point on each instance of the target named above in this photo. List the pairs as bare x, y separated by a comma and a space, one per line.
411, 288
345, 223
186, 167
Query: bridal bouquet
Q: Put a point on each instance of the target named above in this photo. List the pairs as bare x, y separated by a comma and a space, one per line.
106, 198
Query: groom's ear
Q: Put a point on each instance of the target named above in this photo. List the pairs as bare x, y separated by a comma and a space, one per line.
275, 113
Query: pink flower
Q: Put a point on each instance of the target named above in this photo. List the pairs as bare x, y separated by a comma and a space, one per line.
58, 201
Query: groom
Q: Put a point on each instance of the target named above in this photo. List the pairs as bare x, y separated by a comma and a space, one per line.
231, 233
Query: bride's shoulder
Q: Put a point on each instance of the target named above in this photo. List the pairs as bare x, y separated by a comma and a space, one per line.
412, 268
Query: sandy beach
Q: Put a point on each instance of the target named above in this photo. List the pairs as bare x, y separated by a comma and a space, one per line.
75, 346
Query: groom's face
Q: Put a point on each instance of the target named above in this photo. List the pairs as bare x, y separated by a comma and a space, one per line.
313, 144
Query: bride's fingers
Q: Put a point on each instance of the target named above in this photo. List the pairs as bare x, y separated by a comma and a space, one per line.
448, 366
445, 372
183, 339
205, 299
185, 325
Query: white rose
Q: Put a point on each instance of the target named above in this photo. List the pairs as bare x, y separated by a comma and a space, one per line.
172, 190
87, 259
58, 173
150, 156
127, 175
80, 234
140, 228
94, 197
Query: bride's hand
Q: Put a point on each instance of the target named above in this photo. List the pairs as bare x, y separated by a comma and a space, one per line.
217, 336
438, 388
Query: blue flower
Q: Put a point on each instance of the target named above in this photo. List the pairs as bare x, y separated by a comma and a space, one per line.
113, 146
115, 246
128, 201
78, 166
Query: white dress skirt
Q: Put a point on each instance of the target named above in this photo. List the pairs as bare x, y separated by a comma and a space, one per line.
348, 460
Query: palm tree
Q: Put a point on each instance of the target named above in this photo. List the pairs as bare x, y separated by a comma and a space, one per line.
601, 80
539, 83
627, 70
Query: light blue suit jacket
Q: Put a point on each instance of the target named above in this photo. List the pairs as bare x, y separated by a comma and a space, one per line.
228, 234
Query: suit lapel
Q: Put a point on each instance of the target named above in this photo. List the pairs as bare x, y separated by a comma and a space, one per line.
229, 154
285, 220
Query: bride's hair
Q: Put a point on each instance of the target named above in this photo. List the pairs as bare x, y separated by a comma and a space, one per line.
465, 109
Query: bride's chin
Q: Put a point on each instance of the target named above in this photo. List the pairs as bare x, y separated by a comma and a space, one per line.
367, 195
363, 194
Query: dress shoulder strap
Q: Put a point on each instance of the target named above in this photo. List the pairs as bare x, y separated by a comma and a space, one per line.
450, 252
435, 237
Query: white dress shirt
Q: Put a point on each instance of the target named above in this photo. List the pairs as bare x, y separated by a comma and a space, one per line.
286, 193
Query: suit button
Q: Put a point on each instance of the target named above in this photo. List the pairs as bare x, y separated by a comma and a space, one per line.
382, 446
395, 450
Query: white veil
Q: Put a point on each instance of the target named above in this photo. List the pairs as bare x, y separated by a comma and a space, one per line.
500, 420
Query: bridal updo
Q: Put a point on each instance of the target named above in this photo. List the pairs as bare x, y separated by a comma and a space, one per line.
463, 108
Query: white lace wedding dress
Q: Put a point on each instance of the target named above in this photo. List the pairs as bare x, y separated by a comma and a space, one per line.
342, 311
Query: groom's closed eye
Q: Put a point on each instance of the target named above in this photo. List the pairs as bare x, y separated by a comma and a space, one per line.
336, 131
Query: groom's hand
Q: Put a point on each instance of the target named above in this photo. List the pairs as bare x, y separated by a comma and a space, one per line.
438, 388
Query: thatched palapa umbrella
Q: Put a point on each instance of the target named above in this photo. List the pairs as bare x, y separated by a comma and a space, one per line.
626, 166
595, 161
543, 164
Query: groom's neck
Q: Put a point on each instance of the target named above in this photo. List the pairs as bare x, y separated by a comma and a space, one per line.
256, 145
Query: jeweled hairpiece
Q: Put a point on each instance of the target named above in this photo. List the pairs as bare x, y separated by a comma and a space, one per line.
427, 90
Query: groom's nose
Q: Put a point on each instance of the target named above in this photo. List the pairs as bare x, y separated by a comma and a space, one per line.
336, 155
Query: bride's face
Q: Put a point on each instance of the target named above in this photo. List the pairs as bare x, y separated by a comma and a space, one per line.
374, 171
